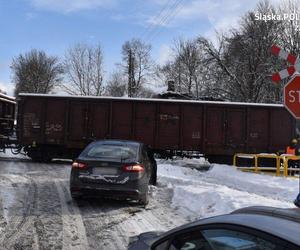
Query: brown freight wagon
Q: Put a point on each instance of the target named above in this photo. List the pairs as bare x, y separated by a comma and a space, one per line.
7, 116
51, 126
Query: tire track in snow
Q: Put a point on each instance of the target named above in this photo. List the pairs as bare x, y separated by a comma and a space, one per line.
36, 226
102, 219
74, 233
118, 223
88, 224
20, 223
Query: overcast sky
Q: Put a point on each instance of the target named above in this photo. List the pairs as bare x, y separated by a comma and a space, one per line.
54, 25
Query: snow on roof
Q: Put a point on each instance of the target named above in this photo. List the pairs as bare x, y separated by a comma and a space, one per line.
7, 97
149, 99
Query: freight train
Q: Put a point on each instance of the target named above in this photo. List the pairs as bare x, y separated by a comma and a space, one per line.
7, 114
52, 126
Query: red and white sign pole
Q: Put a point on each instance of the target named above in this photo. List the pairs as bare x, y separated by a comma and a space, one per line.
292, 88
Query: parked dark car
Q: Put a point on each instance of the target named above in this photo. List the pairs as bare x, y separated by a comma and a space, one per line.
115, 169
252, 228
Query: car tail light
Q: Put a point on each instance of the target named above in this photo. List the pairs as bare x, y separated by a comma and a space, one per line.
79, 165
133, 168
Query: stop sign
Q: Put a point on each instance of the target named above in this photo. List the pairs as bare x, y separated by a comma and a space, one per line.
292, 96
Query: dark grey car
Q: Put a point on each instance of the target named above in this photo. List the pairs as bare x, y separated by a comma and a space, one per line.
262, 228
114, 169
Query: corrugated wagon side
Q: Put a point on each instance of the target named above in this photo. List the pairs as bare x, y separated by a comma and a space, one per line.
7, 116
52, 126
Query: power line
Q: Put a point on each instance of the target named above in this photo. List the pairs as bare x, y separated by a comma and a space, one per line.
163, 17
158, 17
167, 19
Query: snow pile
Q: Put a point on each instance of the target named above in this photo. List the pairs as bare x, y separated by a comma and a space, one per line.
192, 163
266, 185
184, 161
222, 189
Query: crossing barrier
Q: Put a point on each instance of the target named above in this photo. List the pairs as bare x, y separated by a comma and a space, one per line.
281, 165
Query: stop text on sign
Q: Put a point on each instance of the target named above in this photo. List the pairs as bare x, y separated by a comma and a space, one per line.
293, 96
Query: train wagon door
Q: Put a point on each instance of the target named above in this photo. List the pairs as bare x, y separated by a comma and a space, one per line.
32, 122
122, 120
282, 129
192, 127
168, 126
215, 130
55, 121
98, 120
258, 129
78, 118
236, 129
145, 123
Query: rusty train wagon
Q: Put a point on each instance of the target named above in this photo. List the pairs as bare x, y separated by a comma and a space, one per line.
7, 116
51, 126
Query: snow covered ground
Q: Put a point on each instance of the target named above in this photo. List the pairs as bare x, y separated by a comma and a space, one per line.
223, 188
37, 212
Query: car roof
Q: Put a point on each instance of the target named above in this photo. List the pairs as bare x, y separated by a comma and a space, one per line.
283, 223
292, 214
118, 142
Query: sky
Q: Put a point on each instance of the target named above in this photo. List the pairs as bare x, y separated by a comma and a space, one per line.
55, 25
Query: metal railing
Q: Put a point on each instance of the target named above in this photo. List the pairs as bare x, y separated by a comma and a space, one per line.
281, 164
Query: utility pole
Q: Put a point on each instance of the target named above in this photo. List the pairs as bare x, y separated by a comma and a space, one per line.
179, 77
130, 74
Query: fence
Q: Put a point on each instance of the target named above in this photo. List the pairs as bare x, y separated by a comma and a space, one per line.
280, 164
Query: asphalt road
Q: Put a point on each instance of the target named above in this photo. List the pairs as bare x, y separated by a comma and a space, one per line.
37, 212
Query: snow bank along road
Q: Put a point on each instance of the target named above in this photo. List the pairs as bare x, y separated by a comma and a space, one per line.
37, 212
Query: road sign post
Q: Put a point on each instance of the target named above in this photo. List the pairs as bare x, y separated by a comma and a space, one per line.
291, 93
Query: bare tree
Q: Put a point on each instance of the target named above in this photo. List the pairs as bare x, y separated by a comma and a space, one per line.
290, 28
35, 72
188, 62
243, 58
187, 69
170, 71
116, 85
137, 64
84, 70
238, 67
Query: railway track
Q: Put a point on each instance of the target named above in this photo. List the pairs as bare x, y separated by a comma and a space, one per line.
15, 159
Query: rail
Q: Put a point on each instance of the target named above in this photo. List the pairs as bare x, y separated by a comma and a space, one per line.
283, 165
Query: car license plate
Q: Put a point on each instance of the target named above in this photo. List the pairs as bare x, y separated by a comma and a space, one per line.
105, 171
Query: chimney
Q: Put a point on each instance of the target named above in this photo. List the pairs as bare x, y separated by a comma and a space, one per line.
171, 86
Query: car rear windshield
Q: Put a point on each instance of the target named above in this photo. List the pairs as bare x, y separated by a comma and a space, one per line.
118, 152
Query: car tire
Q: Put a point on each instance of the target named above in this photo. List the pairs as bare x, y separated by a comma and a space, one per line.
153, 179
75, 196
144, 199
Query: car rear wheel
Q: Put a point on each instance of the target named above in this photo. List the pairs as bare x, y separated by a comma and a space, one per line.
75, 196
144, 199
153, 179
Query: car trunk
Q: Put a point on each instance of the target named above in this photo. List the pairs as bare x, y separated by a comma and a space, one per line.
105, 168
107, 172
